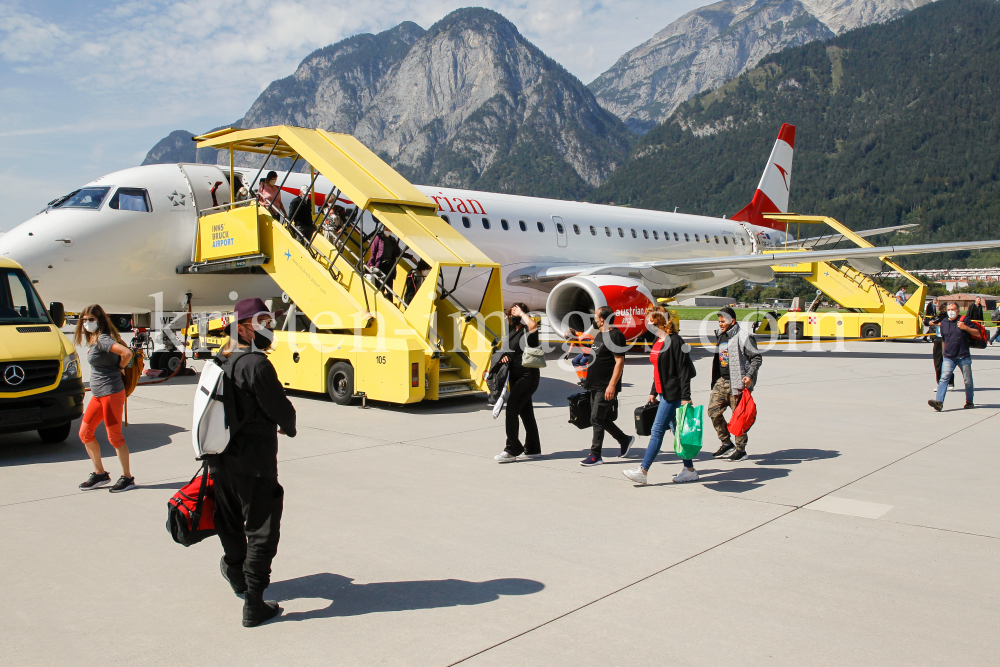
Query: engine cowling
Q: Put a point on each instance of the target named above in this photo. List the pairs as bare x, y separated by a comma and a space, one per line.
573, 302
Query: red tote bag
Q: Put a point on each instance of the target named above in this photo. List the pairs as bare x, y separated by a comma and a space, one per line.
744, 415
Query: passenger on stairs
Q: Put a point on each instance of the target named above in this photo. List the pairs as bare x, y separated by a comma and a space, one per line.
523, 384
302, 216
270, 195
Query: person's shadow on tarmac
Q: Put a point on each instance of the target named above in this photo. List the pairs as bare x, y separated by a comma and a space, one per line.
743, 478
349, 599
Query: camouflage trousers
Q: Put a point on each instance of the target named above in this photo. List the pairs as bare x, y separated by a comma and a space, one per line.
722, 398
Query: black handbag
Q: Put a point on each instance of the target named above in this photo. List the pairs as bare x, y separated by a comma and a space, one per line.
579, 409
645, 415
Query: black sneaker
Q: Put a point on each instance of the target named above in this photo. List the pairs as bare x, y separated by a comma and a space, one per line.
123, 484
969, 406
95, 480
937, 405
724, 450
627, 446
592, 461
235, 579
256, 610
738, 455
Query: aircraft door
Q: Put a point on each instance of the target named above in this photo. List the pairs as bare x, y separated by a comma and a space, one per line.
561, 237
209, 185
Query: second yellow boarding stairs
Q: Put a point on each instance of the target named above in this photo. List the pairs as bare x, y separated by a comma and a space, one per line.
348, 331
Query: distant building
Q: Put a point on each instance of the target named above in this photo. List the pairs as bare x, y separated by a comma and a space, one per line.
707, 301
964, 300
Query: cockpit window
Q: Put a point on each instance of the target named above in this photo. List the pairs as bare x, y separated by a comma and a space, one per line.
85, 198
19, 304
130, 199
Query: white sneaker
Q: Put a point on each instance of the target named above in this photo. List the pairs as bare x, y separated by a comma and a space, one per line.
504, 457
686, 476
636, 475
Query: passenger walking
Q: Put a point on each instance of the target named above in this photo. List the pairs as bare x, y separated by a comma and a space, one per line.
523, 384
384, 250
937, 352
248, 497
269, 195
108, 356
977, 311
956, 333
672, 373
604, 383
302, 216
734, 370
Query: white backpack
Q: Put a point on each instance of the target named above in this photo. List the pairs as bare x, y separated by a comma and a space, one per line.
210, 430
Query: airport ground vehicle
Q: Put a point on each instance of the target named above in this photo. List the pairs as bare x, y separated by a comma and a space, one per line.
346, 330
869, 310
41, 386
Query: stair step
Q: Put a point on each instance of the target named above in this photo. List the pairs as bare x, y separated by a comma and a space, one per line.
454, 383
460, 394
448, 369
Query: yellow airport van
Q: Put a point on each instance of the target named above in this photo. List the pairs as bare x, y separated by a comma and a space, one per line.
41, 387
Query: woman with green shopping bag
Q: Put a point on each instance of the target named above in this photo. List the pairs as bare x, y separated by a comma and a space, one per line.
672, 373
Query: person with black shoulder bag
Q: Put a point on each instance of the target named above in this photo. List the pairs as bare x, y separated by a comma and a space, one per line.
248, 497
524, 360
604, 383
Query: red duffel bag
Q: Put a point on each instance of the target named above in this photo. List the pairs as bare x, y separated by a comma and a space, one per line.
744, 415
191, 512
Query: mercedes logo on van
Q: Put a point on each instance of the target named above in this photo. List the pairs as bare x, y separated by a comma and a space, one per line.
14, 375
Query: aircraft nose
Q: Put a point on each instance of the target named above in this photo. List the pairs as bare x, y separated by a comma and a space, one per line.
26, 246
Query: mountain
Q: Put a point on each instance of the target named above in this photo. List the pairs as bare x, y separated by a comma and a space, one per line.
709, 46
896, 123
175, 147
468, 103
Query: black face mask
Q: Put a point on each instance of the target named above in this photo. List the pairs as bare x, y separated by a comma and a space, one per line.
263, 339
513, 321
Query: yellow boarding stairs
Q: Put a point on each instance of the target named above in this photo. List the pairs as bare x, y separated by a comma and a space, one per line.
347, 330
872, 312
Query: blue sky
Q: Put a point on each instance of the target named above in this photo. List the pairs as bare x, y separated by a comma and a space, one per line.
88, 87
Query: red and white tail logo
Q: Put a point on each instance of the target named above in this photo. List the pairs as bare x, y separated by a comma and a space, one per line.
772, 193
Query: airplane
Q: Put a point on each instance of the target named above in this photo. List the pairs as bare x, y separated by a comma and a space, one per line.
124, 238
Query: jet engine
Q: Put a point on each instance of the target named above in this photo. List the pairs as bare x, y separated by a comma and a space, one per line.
573, 302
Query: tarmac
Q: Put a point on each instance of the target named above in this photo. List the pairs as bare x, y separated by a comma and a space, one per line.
862, 529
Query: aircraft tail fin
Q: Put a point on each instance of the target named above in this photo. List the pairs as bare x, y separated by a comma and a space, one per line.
772, 192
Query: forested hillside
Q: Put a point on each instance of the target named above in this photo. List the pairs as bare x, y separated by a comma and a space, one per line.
897, 123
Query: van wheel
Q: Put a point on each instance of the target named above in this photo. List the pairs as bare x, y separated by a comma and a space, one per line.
871, 331
55, 434
340, 383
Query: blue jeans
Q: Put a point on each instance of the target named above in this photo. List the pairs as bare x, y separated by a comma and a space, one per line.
664, 420
996, 334
583, 360
948, 369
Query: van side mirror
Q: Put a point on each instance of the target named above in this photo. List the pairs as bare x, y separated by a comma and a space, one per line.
57, 313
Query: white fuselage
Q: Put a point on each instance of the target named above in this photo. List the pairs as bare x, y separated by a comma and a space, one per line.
127, 259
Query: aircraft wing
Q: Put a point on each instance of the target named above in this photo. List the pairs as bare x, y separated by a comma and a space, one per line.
828, 239
762, 260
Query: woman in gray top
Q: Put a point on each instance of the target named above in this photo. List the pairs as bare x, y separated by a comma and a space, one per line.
107, 355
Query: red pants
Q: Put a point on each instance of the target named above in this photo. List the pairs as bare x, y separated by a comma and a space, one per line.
109, 410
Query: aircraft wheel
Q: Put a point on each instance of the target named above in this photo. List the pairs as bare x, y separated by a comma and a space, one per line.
55, 434
174, 361
122, 322
340, 383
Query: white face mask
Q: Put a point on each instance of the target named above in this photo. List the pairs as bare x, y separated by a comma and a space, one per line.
952, 314
91, 327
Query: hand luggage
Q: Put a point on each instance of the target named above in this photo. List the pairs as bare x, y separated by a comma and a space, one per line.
533, 357
579, 409
977, 343
645, 415
191, 512
214, 418
744, 415
688, 431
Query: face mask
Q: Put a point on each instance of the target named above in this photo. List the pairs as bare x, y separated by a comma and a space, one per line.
263, 339
952, 314
91, 327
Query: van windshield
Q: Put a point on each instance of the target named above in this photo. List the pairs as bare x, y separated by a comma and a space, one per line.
19, 304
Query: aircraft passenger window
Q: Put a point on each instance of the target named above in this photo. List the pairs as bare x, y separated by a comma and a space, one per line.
686, 237
130, 199
607, 230
486, 223
503, 223
524, 227
465, 221
633, 234
445, 218
655, 236
85, 198
676, 238
645, 234
696, 238
708, 240
716, 239
560, 228
541, 227
576, 229
743, 240
725, 239
621, 234
593, 230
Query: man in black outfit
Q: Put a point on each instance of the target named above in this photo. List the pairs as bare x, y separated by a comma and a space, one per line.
604, 382
248, 498
301, 214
